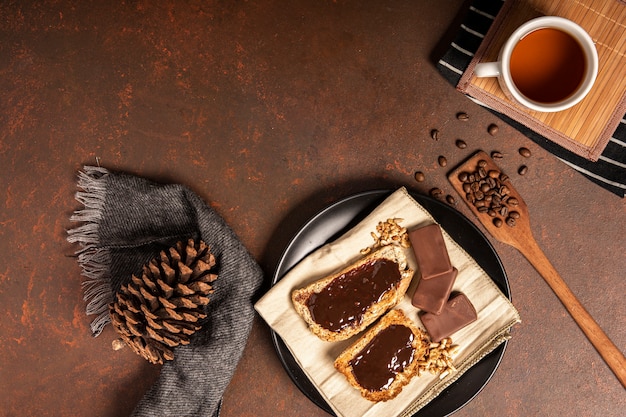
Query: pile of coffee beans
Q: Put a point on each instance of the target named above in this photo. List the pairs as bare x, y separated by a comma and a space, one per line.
487, 191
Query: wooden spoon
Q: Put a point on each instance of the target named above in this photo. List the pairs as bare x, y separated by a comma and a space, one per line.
519, 235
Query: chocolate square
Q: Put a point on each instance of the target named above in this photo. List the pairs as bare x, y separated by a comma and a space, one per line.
457, 313
432, 294
430, 251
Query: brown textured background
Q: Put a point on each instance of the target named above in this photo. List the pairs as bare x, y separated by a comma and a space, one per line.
270, 111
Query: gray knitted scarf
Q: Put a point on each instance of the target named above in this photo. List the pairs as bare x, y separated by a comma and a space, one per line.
125, 221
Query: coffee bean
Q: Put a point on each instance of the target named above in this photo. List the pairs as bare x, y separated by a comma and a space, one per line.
450, 200
493, 173
497, 222
434, 134
513, 201
436, 192
510, 221
442, 161
497, 155
419, 176
460, 143
463, 176
482, 163
525, 152
514, 214
522, 170
504, 177
493, 129
462, 116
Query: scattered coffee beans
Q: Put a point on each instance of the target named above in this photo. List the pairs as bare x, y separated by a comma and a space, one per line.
486, 190
450, 200
497, 155
436, 192
493, 129
522, 170
442, 161
525, 152
462, 116
434, 134
460, 143
419, 176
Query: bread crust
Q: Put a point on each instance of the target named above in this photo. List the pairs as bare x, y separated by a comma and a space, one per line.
420, 344
300, 296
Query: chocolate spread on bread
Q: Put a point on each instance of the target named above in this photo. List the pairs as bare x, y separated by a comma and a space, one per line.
346, 299
375, 367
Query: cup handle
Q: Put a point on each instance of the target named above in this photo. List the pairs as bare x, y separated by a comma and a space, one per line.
487, 69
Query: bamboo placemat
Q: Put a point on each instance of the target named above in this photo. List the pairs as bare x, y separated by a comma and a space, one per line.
586, 128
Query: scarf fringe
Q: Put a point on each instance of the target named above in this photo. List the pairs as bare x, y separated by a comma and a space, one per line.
93, 259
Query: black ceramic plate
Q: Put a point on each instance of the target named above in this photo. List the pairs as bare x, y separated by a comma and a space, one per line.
338, 218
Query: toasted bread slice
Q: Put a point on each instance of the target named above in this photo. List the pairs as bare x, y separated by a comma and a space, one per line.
384, 359
343, 304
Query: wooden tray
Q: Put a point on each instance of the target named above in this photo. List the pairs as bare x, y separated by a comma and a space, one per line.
586, 128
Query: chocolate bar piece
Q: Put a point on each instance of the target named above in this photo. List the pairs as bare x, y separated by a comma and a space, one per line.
457, 313
430, 251
431, 294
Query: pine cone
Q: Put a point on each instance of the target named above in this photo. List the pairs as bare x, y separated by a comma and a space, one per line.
160, 310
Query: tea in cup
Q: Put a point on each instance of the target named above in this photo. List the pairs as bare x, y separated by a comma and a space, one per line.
548, 64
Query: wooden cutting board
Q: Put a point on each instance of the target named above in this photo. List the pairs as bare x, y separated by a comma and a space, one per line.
586, 128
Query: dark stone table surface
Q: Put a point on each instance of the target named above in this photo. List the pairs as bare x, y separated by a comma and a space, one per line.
270, 111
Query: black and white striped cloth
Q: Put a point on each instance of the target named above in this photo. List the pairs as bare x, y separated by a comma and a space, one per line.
610, 169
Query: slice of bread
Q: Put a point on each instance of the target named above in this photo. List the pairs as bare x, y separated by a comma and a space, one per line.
384, 345
350, 324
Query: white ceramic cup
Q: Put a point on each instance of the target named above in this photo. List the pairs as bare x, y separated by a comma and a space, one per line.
502, 68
